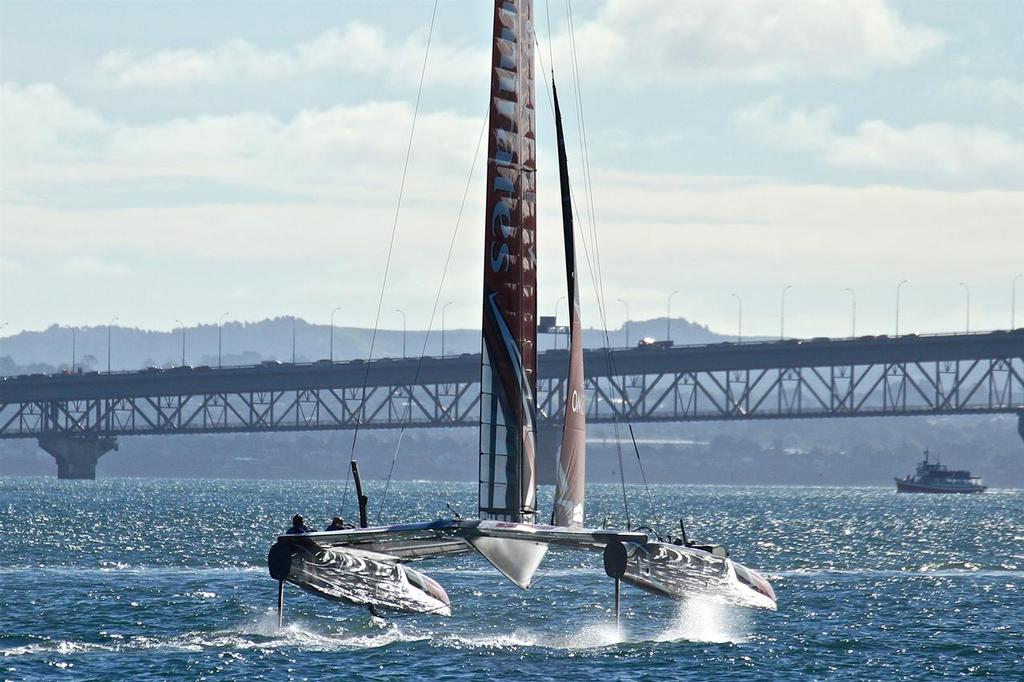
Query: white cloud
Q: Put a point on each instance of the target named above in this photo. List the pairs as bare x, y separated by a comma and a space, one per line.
943, 148
351, 152
354, 49
755, 41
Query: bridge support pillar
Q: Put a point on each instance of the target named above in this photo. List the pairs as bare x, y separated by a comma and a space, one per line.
77, 455
549, 442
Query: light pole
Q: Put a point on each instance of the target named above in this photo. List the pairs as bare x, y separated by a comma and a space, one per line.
332, 331
739, 317
443, 310
668, 317
182, 325
109, 325
1013, 302
73, 356
898, 287
853, 312
220, 326
402, 313
626, 325
782, 313
557, 303
293, 339
967, 307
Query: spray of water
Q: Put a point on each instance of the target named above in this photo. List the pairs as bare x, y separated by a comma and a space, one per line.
703, 620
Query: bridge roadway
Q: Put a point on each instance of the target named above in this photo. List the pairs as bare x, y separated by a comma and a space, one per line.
78, 417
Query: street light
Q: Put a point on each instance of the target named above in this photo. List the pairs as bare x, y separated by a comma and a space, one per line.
668, 317
109, 324
1013, 302
220, 326
332, 331
443, 309
782, 313
853, 311
182, 325
739, 320
73, 341
967, 308
402, 313
557, 303
293, 339
626, 325
898, 287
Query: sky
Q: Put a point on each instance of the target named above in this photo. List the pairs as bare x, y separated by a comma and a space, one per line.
176, 160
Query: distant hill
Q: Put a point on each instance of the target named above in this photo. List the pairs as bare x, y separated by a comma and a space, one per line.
246, 343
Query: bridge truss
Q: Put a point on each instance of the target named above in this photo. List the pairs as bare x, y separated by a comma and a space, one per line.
953, 374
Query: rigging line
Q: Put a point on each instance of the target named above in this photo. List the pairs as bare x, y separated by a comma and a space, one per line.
391, 249
551, 55
588, 178
597, 256
433, 312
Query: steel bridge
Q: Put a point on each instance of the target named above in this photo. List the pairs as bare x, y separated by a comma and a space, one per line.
791, 379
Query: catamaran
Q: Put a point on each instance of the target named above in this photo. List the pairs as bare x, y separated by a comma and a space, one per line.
371, 566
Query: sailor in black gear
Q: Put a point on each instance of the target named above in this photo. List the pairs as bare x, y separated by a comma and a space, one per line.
339, 524
298, 526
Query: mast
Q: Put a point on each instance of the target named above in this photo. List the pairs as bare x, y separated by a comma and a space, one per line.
508, 488
570, 474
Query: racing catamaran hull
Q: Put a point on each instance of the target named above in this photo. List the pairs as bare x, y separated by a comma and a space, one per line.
683, 572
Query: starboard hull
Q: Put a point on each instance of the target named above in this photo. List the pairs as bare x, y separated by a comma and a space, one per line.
685, 572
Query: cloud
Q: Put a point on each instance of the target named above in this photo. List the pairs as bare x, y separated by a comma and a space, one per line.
356, 48
352, 152
942, 148
633, 42
641, 42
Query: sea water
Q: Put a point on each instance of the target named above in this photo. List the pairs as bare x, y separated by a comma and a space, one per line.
166, 579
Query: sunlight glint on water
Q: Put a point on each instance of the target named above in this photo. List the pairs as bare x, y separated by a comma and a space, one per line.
153, 579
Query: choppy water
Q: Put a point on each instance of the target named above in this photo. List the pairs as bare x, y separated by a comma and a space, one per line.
144, 579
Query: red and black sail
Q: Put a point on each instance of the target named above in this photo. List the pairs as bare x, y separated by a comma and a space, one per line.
509, 348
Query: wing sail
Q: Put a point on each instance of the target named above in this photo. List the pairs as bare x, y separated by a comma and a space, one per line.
509, 348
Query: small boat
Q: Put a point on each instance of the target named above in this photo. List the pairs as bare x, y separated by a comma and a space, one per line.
936, 478
368, 566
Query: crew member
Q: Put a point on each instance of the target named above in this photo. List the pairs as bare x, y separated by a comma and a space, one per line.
298, 526
339, 523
